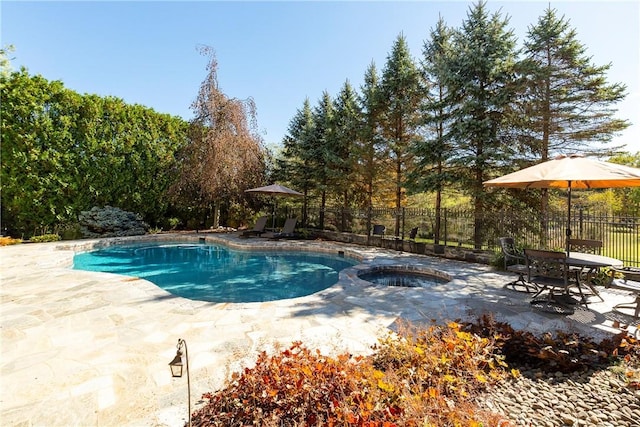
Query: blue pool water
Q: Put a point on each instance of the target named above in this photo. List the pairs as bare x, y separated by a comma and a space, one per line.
215, 273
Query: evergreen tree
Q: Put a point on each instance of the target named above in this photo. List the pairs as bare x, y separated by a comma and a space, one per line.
480, 77
433, 150
401, 94
321, 149
566, 102
63, 153
369, 148
296, 158
346, 125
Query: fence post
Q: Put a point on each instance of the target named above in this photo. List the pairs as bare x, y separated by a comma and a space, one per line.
445, 225
581, 223
403, 216
369, 225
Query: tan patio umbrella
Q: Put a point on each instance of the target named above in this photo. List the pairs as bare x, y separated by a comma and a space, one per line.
573, 171
275, 190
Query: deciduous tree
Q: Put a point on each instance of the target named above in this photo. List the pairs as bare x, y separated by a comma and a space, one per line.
225, 155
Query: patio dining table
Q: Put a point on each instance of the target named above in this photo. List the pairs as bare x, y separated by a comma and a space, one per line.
591, 263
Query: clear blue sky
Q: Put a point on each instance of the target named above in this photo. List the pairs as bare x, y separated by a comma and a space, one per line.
279, 53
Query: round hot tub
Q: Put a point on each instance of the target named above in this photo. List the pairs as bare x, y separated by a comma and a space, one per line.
404, 276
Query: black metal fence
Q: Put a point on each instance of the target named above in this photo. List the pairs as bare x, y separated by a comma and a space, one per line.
620, 234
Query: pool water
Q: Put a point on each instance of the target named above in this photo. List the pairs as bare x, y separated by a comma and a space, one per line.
213, 273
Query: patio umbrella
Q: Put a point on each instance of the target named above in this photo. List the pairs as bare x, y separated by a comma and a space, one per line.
570, 172
275, 190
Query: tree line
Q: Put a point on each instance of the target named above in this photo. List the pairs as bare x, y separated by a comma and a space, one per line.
63, 153
473, 107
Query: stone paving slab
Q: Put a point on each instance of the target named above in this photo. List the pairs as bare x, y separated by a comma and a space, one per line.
86, 349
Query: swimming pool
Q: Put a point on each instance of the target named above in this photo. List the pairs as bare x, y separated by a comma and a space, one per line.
215, 273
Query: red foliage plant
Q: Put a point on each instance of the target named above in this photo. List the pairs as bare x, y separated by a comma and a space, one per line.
414, 378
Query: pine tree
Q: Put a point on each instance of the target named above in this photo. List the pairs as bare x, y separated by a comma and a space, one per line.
480, 78
369, 147
567, 100
346, 126
433, 150
321, 147
401, 95
295, 161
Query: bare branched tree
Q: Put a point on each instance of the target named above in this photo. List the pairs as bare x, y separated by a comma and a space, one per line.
225, 155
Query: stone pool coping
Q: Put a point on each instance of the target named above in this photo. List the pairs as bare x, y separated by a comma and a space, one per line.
86, 348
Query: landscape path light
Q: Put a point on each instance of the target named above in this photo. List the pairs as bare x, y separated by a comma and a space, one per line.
177, 366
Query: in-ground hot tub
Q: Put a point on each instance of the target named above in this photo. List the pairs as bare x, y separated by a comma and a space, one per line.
404, 276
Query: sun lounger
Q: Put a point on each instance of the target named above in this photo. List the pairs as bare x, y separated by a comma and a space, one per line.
288, 230
258, 228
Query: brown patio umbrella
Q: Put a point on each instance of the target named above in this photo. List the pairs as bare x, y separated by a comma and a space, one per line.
573, 171
274, 190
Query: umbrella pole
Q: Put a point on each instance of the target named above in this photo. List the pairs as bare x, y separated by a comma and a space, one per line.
273, 219
568, 232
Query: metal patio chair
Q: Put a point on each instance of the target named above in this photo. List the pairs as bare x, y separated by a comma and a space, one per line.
629, 282
550, 272
514, 261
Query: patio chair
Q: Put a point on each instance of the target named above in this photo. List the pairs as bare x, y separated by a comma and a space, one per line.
586, 246
629, 282
549, 271
587, 276
515, 262
413, 233
288, 230
378, 230
258, 228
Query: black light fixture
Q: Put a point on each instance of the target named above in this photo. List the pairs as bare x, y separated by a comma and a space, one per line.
176, 366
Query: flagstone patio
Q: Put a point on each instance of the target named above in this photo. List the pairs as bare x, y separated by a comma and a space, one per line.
83, 348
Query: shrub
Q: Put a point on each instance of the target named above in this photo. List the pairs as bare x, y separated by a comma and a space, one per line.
45, 238
155, 230
70, 231
111, 222
173, 223
414, 378
438, 370
6, 241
